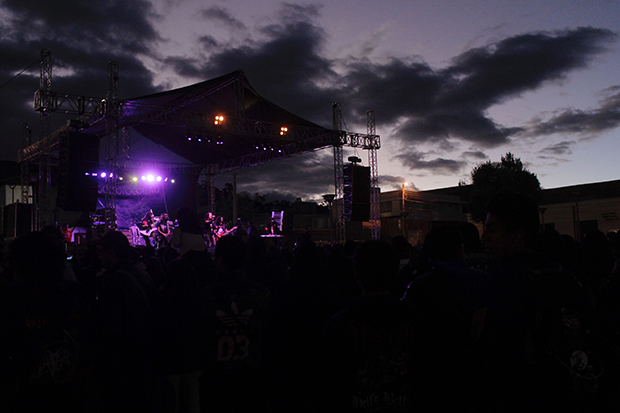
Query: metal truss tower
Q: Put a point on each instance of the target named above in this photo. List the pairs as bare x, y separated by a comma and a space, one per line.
44, 103
339, 174
211, 184
25, 165
112, 145
375, 216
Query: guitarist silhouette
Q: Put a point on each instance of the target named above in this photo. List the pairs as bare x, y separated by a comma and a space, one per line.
147, 227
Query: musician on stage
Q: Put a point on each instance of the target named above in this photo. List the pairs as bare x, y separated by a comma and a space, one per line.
220, 228
272, 227
67, 233
209, 229
147, 227
163, 230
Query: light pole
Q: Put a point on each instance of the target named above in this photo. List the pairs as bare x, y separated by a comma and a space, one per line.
403, 212
329, 198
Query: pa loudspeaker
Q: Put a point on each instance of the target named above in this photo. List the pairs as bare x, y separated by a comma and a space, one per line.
357, 187
17, 220
78, 160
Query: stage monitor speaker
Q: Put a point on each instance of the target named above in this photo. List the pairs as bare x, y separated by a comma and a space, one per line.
78, 160
358, 188
17, 220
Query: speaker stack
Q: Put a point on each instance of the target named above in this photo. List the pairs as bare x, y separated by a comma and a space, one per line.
357, 191
78, 160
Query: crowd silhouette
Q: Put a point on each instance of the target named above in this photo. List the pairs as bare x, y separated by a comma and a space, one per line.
513, 319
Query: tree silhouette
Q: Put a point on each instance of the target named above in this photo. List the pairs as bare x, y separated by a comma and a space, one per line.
491, 177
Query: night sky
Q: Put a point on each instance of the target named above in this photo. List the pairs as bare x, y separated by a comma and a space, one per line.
452, 83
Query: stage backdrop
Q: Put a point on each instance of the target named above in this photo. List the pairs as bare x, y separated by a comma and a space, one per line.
134, 199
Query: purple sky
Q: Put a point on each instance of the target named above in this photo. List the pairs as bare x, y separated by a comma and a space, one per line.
452, 83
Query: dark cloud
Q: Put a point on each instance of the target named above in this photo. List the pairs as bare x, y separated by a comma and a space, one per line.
452, 103
183, 66
285, 66
223, 16
429, 106
553, 160
416, 161
560, 148
307, 176
207, 42
394, 182
584, 122
83, 37
285, 62
489, 75
474, 155
106, 26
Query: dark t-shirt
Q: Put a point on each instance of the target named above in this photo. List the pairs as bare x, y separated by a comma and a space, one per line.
39, 349
370, 358
234, 312
539, 325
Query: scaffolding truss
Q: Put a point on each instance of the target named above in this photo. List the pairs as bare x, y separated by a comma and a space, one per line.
104, 116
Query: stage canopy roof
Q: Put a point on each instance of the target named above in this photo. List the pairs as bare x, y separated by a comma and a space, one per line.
222, 122
219, 121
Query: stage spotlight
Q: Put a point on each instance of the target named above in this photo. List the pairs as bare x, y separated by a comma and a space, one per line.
189, 138
172, 181
283, 130
150, 178
120, 178
87, 173
135, 179
166, 180
103, 174
158, 178
143, 178
219, 120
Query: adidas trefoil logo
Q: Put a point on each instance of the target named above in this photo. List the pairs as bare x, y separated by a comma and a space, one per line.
234, 319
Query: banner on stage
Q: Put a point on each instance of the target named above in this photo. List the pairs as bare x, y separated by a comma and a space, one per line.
133, 201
